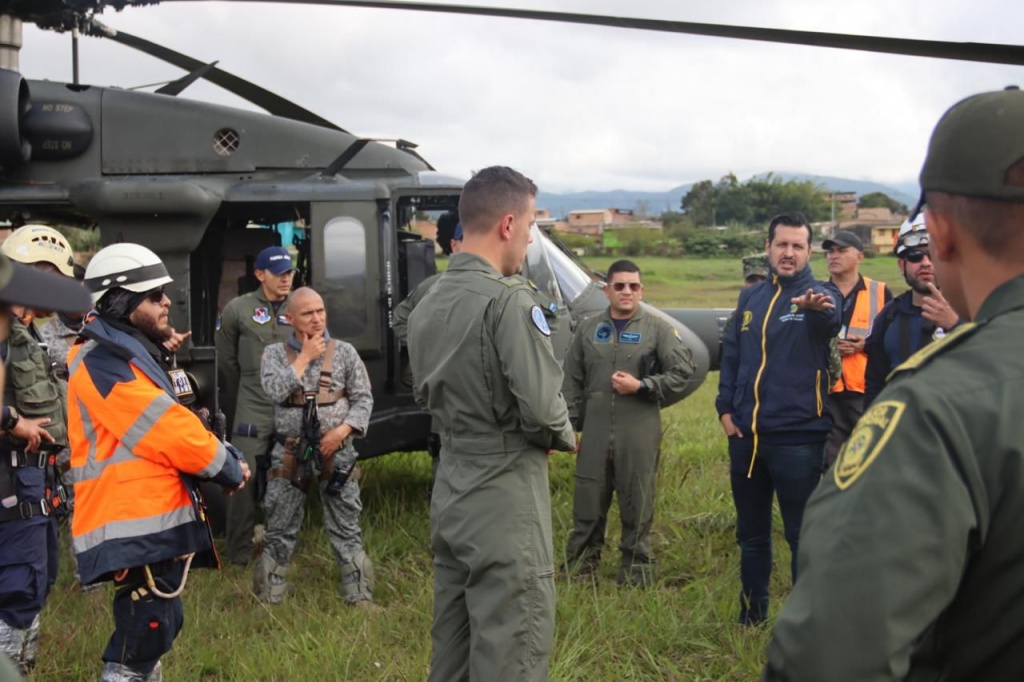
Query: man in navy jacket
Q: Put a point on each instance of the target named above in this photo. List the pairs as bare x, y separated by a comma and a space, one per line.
773, 401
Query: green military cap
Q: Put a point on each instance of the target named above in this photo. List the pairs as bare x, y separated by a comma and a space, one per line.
755, 266
974, 144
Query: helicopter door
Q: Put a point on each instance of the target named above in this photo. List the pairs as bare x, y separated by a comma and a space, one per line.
345, 263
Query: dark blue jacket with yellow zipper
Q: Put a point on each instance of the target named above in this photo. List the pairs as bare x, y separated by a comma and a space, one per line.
774, 371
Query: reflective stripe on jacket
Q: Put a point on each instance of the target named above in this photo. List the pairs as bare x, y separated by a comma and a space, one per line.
131, 442
869, 301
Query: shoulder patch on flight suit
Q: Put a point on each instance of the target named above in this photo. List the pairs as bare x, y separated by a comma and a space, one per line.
218, 323
921, 357
748, 317
539, 321
867, 440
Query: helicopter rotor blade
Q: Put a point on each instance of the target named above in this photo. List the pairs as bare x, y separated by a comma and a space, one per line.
175, 88
992, 53
261, 97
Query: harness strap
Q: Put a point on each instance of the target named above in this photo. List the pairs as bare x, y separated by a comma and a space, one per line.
25, 510
324, 394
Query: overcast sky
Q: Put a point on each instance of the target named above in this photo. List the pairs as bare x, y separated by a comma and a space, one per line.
578, 107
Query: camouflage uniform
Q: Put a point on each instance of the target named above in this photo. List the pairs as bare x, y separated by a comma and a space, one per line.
59, 337
284, 504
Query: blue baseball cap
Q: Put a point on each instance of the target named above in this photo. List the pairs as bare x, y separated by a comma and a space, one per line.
276, 259
458, 232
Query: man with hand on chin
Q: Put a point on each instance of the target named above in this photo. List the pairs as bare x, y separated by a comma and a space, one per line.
914, 318
773, 401
312, 365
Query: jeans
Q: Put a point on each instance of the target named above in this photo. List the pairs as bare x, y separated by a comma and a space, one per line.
789, 471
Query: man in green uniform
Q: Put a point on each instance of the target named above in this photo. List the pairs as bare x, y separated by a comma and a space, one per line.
409, 303
911, 557
247, 325
484, 369
623, 366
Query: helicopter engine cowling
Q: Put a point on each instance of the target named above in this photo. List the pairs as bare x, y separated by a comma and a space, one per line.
15, 104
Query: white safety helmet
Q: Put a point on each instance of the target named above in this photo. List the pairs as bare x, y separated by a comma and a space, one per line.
912, 234
129, 266
40, 244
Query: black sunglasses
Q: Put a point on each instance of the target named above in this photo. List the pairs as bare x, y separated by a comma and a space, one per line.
915, 256
156, 296
633, 286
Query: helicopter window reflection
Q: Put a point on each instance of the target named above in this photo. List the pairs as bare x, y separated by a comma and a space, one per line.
559, 270
345, 277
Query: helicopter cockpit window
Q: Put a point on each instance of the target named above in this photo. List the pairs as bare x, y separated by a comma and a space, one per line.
551, 270
345, 277
538, 270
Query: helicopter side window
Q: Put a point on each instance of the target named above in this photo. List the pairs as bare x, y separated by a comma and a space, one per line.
345, 277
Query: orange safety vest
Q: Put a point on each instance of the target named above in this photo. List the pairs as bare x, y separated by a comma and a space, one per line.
869, 301
131, 442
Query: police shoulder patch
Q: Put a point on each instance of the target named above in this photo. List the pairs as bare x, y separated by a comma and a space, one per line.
539, 321
923, 356
866, 442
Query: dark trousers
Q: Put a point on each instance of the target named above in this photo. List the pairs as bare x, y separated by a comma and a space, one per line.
846, 408
28, 568
789, 471
242, 509
145, 625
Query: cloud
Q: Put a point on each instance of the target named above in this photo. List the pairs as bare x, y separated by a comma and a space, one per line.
579, 107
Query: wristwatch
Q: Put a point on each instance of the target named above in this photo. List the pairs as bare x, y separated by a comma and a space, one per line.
9, 419
644, 389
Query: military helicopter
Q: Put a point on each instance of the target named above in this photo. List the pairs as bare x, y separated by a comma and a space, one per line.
190, 180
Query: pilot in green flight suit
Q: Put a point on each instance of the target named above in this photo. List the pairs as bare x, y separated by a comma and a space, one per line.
484, 369
247, 325
911, 553
623, 366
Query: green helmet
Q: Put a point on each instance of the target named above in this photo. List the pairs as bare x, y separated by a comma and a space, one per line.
755, 266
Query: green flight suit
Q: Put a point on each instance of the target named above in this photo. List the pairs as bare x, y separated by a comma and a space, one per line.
400, 321
621, 433
484, 369
911, 556
247, 325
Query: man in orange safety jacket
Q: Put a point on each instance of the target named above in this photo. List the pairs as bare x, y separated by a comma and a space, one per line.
136, 457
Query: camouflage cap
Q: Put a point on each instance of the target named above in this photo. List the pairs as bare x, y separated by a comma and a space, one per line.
755, 266
974, 144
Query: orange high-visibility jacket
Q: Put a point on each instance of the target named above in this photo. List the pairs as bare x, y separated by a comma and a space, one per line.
869, 301
134, 449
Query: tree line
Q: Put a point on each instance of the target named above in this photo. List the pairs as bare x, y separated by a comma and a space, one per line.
754, 202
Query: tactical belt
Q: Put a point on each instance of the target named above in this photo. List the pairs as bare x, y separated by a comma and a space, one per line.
19, 459
324, 394
25, 510
290, 463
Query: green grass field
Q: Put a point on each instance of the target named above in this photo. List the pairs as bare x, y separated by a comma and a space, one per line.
683, 629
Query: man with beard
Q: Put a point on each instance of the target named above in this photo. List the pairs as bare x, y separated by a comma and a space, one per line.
136, 455
914, 318
484, 369
772, 401
621, 369
911, 559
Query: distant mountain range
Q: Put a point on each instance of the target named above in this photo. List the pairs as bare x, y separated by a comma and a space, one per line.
657, 203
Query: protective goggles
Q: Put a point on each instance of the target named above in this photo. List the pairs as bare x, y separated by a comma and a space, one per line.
915, 255
914, 239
